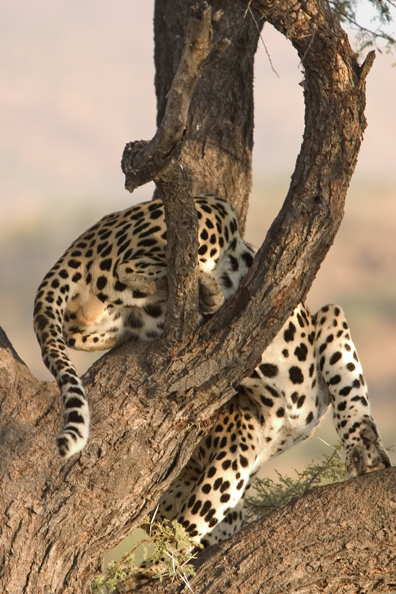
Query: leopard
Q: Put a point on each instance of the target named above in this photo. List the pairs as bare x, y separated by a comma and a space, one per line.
311, 365
110, 287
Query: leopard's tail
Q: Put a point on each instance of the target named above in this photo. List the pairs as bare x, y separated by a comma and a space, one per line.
49, 311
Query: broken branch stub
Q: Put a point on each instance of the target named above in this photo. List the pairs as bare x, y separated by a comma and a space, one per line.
143, 160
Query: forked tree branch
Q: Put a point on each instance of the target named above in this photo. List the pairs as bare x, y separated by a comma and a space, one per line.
152, 402
154, 160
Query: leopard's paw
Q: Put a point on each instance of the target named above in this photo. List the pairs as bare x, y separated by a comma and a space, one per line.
367, 454
211, 297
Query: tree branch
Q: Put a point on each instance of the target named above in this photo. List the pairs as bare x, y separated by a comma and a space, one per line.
182, 254
330, 541
145, 161
142, 161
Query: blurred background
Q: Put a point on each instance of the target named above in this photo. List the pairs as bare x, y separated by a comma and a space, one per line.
76, 84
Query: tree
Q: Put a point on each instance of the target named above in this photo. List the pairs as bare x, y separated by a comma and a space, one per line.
151, 403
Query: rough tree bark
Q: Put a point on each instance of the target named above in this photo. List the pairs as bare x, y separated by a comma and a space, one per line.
334, 540
151, 403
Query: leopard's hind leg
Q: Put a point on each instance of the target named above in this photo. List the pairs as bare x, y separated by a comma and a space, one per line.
343, 375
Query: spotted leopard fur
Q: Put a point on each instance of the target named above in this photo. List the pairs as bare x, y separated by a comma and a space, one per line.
110, 286
311, 364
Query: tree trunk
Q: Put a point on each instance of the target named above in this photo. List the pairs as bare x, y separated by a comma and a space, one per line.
152, 402
217, 149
